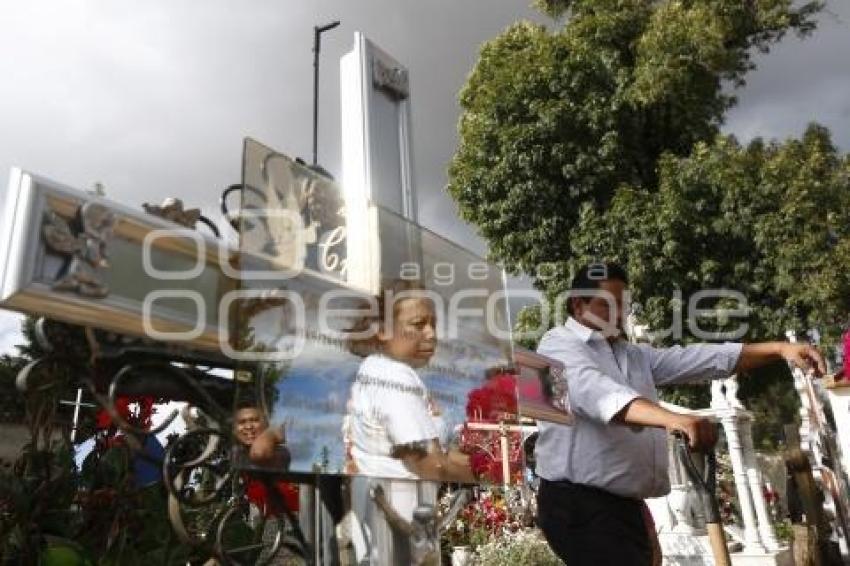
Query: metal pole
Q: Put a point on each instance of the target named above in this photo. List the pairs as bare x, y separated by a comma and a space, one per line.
706, 486
317, 44
317, 523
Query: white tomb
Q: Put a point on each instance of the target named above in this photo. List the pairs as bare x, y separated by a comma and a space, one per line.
678, 516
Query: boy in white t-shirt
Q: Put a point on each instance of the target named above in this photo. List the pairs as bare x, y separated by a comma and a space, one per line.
393, 426
393, 429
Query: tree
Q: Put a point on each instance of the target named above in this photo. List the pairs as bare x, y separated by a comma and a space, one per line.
555, 121
600, 140
769, 220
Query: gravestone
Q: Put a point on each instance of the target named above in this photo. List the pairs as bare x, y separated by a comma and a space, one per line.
282, 307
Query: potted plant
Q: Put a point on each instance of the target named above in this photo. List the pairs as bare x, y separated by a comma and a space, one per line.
486, 517
525, 547
463, 537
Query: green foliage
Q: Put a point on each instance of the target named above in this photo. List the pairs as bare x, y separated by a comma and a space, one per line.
555, 122
523, 548
67, 340
49, 510
11, 401
784, 531
552, 8
770, 396
51, 513
600, 140
38, 490
697, 396
771, 221
527, 328
55, 377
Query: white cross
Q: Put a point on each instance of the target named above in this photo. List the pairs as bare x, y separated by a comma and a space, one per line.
503, 429
77, 404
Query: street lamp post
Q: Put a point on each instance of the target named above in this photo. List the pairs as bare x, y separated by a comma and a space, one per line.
317, 43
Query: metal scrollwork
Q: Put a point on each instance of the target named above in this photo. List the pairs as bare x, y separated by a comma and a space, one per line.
207, 497
196, 467
234, 552
207, 503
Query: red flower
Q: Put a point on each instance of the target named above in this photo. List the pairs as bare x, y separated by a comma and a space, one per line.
480, 462
135, 410
485, 453
495, 400
102, 420
257, 493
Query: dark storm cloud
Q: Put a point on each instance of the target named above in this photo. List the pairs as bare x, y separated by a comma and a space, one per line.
153, 98
798, 82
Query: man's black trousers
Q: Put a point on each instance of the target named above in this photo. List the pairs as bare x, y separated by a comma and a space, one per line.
588, 526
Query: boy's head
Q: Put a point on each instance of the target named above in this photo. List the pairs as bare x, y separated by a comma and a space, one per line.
403, 326
411, 337
249, 421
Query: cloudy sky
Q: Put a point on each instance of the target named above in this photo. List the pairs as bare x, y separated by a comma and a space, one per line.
153, 98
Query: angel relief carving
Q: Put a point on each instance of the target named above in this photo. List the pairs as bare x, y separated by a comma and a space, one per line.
301, 213
83, 241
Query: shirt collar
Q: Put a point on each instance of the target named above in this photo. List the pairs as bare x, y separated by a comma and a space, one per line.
584, 332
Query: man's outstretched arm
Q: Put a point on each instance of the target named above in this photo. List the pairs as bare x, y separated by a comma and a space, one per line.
804, 356
701, 432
